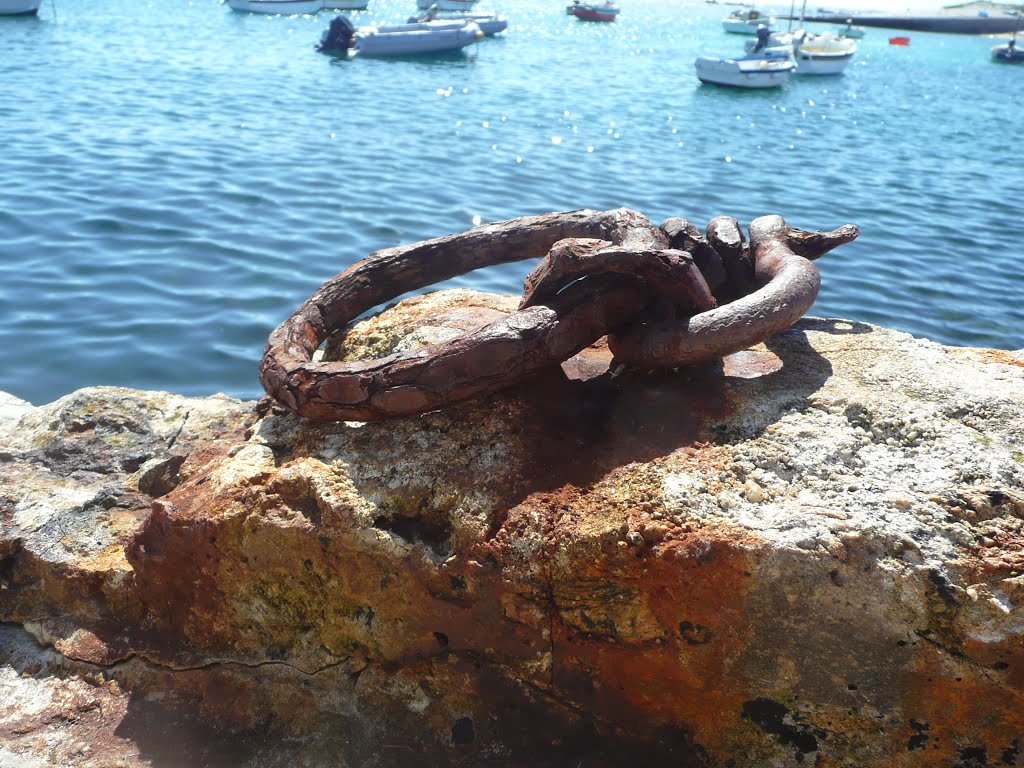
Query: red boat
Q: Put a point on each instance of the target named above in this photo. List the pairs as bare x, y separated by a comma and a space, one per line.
899, 41
592, 12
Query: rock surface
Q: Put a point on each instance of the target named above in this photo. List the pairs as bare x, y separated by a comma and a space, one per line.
811, 555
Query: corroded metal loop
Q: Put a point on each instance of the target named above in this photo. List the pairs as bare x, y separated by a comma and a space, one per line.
493, 357
606, 273
787, 287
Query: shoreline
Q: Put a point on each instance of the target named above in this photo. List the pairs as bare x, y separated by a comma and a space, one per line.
959, 25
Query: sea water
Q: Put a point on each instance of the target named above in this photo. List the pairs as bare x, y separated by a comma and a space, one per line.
176, 178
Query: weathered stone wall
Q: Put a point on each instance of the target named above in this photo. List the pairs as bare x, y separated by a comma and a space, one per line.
811, 555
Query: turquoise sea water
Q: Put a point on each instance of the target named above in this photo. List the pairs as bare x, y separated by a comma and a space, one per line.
176, 178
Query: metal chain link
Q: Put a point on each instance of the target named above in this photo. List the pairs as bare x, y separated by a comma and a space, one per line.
665, 296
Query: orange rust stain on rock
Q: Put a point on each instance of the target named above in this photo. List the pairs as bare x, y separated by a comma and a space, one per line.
207, 457
1001, 356
951, 710
107, 559
1004, 557
257, 577
752, 363
1004, 657
999, 555
646, 611
663, 625
704, 459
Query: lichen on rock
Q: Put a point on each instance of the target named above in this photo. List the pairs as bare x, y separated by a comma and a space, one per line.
811, 553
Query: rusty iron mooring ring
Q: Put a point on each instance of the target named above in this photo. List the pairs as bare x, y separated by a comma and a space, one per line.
658, 294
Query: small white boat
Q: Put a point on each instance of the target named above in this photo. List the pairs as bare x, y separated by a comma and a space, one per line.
490, 23
854, 33
279, 7
745, 21
758, 70
607, 11
446, 5
345, 5
19, 7
398, 39
824, 54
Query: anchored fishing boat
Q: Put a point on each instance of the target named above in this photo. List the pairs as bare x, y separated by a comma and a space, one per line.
398, 39
764, 69
19, 7
606, 11
278, 7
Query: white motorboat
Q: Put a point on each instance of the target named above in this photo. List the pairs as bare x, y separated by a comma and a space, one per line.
420, 37
745, 21
398, 39
824, 54
19, 7
446, 5
854, 33
279, 7
345, 5
490, 23
757, 70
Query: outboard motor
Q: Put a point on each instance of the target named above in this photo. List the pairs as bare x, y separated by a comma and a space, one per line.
337, 38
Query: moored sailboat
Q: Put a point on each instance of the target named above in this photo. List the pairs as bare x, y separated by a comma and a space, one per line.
824, 54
